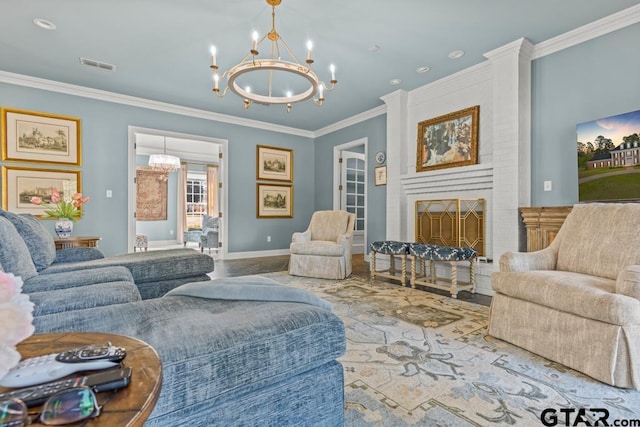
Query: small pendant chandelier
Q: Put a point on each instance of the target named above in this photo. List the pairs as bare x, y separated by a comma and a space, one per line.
164, 162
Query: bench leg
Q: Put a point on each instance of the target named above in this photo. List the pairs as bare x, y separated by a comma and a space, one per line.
403, 273
454, 280
392, 265
373, 265
472, 274
413, 271
432, 271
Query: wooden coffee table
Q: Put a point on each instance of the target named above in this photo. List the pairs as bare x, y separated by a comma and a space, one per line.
129, 406
77, 242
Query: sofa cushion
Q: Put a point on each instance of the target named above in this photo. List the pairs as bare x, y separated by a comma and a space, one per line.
317, 247
147, 266
213, 350
329, 225
595, 239
38, 239
78, 298
14, 254
72, 279
587, 296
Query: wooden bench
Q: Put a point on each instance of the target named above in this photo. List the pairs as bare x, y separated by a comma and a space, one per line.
420, 253
393, 249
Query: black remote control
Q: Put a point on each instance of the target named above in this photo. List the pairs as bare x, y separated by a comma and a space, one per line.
111, 379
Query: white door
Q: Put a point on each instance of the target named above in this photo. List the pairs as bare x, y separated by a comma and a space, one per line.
353, 190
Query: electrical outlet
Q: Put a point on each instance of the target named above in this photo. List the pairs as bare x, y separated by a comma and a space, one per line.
548, 186
268, 238
109, 193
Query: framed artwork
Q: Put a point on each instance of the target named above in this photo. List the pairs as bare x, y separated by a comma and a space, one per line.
608, 151
29, 136
274, 164
274, 201
380, 175
448, 141
151, 195
20, 184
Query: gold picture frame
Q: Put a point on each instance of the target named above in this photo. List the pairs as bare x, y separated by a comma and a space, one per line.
448, 141
274, 201
30, 136
274, 163
380, 175
19, 184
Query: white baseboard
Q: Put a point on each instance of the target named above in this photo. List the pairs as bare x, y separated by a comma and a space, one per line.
255, 254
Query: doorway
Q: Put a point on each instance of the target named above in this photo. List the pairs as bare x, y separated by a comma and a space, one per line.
195, 153
350, 189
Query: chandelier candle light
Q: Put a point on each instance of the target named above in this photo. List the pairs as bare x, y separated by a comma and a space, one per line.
274, 64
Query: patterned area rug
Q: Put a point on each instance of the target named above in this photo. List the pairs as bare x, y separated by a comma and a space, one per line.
419, 359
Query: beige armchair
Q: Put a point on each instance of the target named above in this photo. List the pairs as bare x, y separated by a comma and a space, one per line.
577, 302
324, 249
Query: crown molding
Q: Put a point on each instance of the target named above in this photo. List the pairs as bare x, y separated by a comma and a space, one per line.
102, 95
598, 28
350, 121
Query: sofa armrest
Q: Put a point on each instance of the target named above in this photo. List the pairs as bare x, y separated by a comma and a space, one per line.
544, 259
628, 282
304, 236
77, 254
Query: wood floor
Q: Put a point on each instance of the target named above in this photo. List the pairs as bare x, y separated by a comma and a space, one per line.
243, 267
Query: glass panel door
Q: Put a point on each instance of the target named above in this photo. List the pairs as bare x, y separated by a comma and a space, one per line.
353, 197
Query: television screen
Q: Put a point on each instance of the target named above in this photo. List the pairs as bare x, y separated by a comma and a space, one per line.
609, 158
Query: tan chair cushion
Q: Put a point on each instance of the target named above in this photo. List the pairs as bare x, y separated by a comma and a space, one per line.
590, 297
317, 247
328, 225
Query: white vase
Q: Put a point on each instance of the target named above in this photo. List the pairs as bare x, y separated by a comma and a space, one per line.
64, 227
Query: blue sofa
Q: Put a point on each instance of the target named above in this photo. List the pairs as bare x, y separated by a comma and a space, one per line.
226, 362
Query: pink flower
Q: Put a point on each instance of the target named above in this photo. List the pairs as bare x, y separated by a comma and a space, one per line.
36, 200
55, 196
16, 319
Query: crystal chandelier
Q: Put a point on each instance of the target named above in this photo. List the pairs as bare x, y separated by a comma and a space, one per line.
164, 162
274, 65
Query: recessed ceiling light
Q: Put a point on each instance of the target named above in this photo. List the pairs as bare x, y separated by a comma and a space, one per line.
44, 24
395, 82
374, 48
422, 69
456, 54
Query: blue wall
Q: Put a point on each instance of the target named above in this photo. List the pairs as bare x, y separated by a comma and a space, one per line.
592, 80
375, 130
104, 166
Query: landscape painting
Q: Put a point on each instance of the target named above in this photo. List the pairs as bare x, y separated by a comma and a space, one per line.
40, 137
274, 163
609, 158
20, 184
274, 201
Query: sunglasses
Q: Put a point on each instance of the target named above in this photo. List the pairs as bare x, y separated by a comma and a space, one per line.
68, 406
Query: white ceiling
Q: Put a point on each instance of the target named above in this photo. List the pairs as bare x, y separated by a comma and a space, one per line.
161, 47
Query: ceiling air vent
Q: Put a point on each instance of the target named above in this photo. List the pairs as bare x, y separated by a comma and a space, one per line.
97, 64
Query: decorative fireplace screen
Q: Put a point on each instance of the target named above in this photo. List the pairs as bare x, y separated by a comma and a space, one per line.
451, 222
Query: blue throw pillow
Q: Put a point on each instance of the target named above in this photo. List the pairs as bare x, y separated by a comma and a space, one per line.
14, 254
39, 241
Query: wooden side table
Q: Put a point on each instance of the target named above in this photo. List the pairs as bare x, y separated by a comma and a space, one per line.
128, 406
77, 242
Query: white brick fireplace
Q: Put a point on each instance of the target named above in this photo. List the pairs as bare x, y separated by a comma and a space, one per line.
501, 86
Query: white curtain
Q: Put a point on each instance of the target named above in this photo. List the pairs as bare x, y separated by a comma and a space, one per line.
182, 200
212, 190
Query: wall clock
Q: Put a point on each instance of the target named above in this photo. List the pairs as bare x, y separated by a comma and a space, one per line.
380, 157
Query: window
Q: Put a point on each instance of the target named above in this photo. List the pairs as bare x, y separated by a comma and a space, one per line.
196, 199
